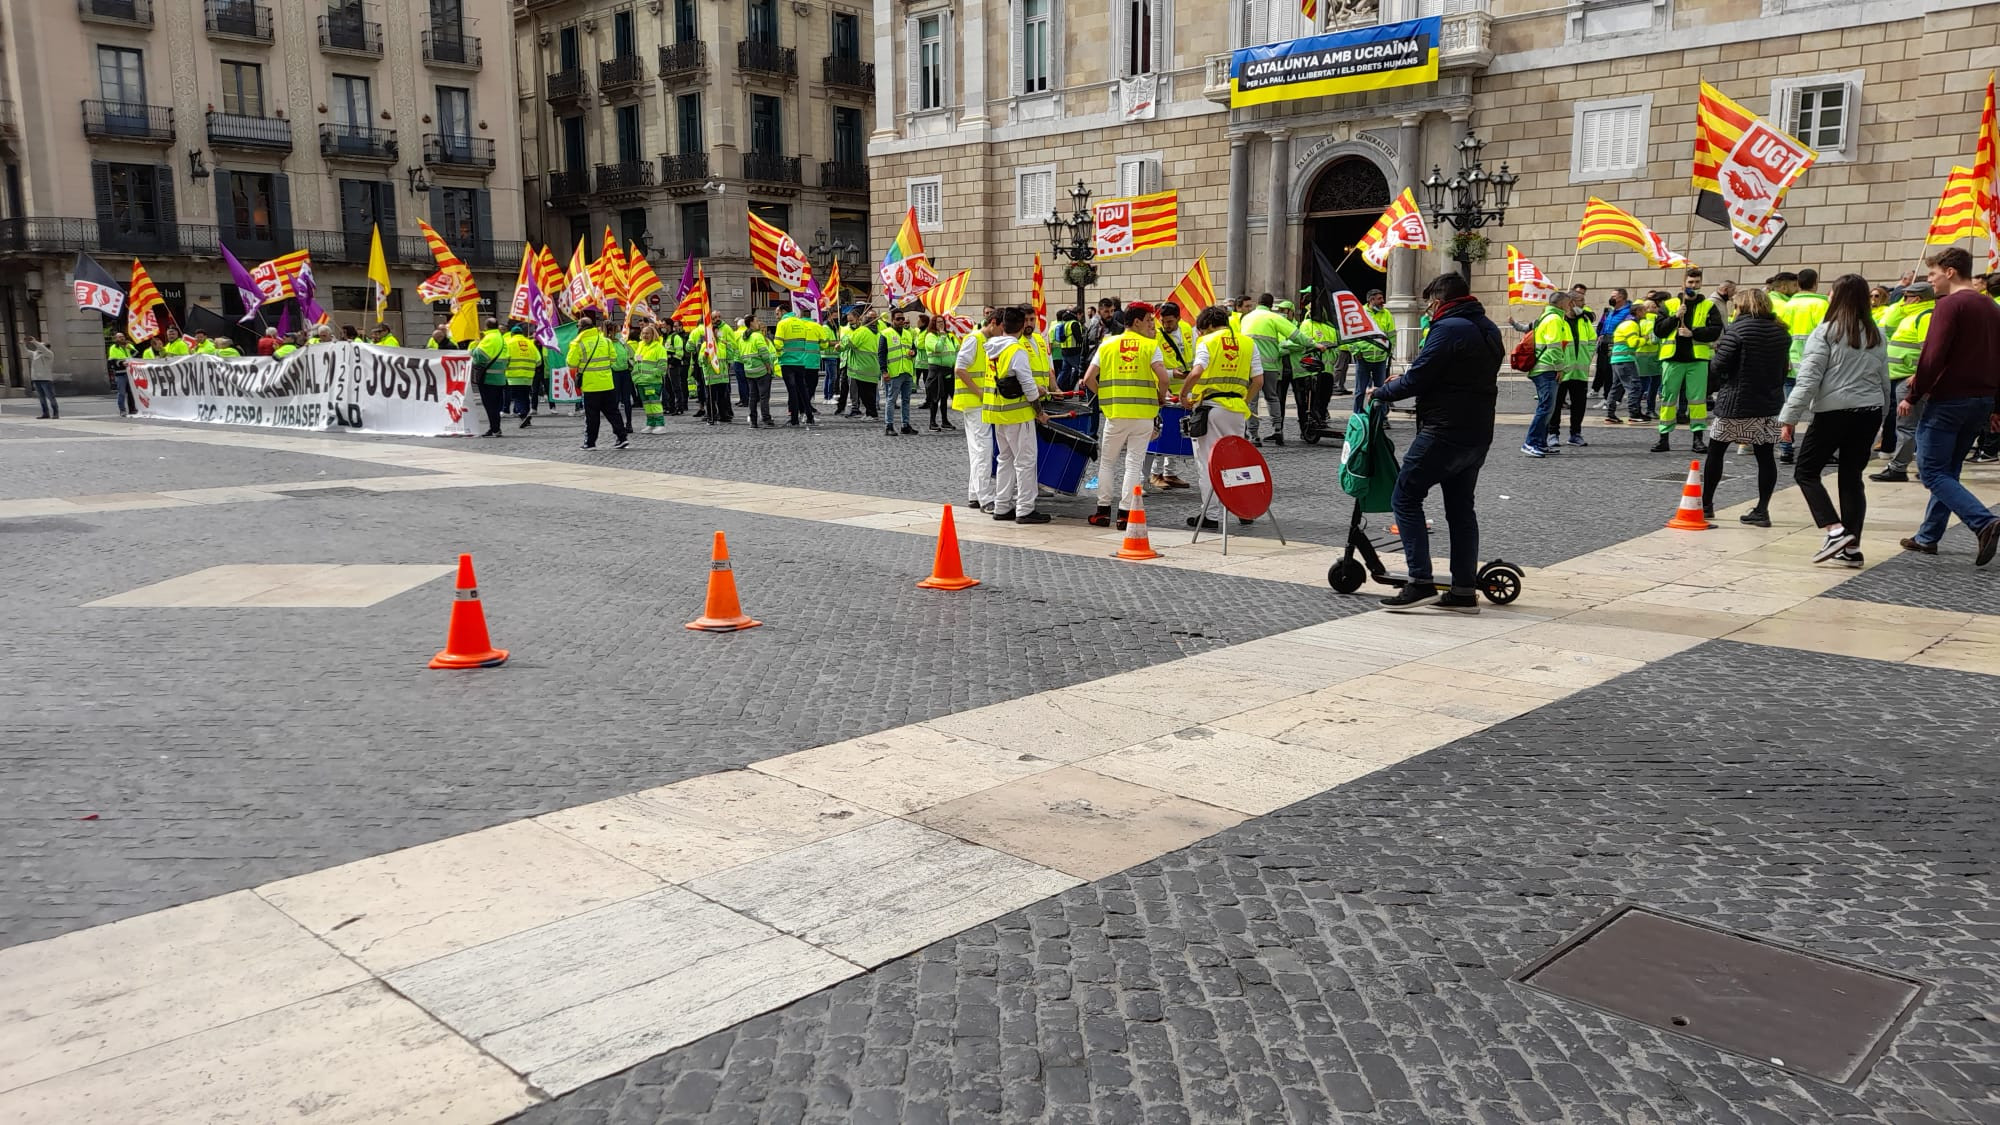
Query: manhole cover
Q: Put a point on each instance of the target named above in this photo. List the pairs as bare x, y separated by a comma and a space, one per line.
1798, 1011
330, 493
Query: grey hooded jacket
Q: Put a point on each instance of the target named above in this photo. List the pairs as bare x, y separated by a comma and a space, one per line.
1833, 376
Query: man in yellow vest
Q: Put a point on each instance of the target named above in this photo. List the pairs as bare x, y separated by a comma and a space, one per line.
489, 373
1177, 352
969, 378
1010, 408
590, 355
524, 361
116, 356
1803, 312
899, 372
1130, 381
1906, 343
1687, 328
1225, 379
1561, 352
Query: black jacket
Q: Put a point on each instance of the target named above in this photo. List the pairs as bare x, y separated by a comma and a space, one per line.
1747, 373
1456, 375
1667, 327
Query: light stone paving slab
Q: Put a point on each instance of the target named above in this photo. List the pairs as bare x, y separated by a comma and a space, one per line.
882, 891
1366, 730
1700, 624
1060, 726
710, 823
904, 769
1724, 601
392, 911
1964, 654
1073, 820
588, 996
359, 1056
1605, 640
354, 586
228, 494
294, 586
1233, 769
96, 994
1846, 640
1536, 664
1456, 699
1194, 692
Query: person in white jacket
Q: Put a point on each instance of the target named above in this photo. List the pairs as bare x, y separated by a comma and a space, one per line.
42, 373
1843, 380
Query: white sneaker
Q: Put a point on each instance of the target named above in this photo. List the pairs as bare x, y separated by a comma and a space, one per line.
1836, 542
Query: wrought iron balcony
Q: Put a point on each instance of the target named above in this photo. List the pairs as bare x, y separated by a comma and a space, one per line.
452, 48
128, 121
568, 187
139, 12
566, 85
685, 57
766, 168
237, 130
685, 168
626, 176
43, 234
841, 175
239, 19
447, 150
621, 71
347, 142
341, 32
850, 73
759, 57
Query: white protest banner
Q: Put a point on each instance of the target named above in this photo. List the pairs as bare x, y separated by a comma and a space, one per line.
350, 386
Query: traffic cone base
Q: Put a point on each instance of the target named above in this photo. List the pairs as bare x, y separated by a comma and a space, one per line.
722, 613
947, 570
1688, 516
467, 644
1138, 545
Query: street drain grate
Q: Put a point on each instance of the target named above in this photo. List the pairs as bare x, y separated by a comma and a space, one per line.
336, 493
1798, 1011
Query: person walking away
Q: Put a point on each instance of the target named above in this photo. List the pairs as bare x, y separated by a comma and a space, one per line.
42, 375
899, 372
1177, 353
1954, 386
799, 357
1842, 379
1223, 381
1455, 379
969, 376
1368, 360
489, 370
1906, 343
1626, 340
1573, 387
1687, 327
1803, 312
1557, 349
116, 355
861, 354
523, 358
1130, 382
1010, 408
1747, 374
590, 357
940, 353
760, 357
1269, 331
717, 374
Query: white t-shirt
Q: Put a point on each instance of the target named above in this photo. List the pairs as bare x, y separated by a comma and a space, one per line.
1018, 366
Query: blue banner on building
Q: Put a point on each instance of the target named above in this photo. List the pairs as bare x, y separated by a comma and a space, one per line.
1369, 58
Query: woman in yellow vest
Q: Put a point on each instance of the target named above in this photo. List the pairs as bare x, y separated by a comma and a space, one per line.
759, 356
1226, 377
649, 375
1130, 381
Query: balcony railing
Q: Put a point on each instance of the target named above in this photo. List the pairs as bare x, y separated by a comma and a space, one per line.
850, 73
41, 234
349, 142
458, 152
625, 176
128, 121
138, 12
565, 85
767, 58
341, 32
239, 19
841, 175
452, 49
237, 130
1465, 42
765, 168
620, 71
684, 168
684, 57
569, 186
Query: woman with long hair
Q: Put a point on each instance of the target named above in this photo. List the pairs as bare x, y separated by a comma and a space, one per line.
1843, 381
1747, 376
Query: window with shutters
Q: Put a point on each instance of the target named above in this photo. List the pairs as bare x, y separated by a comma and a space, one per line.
1608, 140
455, 215
849, 147
242, 88
694, 229
1034, 194
926, 195
1821, 110
626, 119
130, 208
930, 63
764, 21
1036, 35
1141, 36
350, 103
251, 215
121, 76
766, 125
687, 114
1253, 24
365, 205
846, 30
1139, 175
686, 26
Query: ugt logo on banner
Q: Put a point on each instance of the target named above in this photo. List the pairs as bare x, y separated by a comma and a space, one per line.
1757, 173
1114, 228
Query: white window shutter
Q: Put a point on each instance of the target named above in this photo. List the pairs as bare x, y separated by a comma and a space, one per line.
914, 44
1017, 14
1149, 179
1159, 21
1256, 29
1055, 44
1128, 178
1121, 38
949, 52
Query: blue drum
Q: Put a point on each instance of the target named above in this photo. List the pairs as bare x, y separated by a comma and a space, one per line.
1170, 443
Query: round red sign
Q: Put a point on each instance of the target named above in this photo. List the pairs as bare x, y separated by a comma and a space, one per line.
1240, 477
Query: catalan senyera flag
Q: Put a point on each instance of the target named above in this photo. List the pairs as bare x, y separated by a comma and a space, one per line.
777, 257
274, 278
1401, 225
548, 273
1958, 213
1606, 222
1526, 283
517, 309
142, 297
693, 310
830, 296
905, 270
1196, 290
941, 299
378, 273
1140, 222
1743, 166
1038, 298
1310, 10
580, 290
611, 269
640, 280
1986, 177
453, 279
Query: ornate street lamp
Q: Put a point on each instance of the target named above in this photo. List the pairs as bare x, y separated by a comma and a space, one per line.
1471, 199
1075, 239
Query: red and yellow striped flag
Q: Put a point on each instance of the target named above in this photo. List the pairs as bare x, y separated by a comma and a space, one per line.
943, 297
141, 322
548, 274
777, 257
1310, 10
1142, 222
1605, 222
1038, 297
1958, 212
611, 270
1986, 177
453, 279
640, 280
1718, 124
1401, 225
830, 296
1196, 290
693, 311
274, 278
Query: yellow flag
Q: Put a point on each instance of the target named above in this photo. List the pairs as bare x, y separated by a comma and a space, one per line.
378, 272
464, 326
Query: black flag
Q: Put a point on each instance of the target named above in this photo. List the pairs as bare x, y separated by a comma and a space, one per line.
94, 288
1348, 315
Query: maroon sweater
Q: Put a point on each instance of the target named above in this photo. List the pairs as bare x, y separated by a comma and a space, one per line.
1961, 356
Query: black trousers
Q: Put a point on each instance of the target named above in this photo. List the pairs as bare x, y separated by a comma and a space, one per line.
865, 395
1767, 472
628, 394
1576, 393
602, 404
1844, 437
717, 400
800, 384
937, 394
760, 400
1303, 383
493, 396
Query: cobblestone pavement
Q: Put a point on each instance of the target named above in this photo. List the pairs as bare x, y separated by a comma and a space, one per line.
1346, 959
84, 466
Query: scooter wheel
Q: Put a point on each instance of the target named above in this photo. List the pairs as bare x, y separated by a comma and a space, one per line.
1346, 576
1500, 584
1312, 436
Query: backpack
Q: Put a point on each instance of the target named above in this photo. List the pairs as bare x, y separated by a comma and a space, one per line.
1523, 359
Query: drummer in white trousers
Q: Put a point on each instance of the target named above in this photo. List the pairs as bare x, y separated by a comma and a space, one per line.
1226, 377
968, 397
1130, 381
1012, 411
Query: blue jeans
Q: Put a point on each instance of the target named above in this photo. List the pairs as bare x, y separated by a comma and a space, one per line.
1624, 383
829, 372
1642, 400
45, 394
1944, 437
742, 383
895, 389
1366, 374
1545, 408
126, 403
1437, 462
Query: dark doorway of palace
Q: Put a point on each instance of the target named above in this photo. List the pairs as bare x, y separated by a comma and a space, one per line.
1346, 199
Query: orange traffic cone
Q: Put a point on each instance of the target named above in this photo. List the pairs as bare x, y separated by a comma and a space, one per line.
722, 614
466, 644
1137, 545
947, 572
1688, 516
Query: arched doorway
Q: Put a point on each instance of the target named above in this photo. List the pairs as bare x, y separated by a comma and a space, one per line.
1346, 199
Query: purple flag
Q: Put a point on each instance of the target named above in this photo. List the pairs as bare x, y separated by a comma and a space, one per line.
805, 302
285, 320
542, 314
304, 287
253, 297
687, 280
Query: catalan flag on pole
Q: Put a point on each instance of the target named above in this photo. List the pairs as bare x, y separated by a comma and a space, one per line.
611, 269
640, 280
1986, 177
944, 297
1606, 222
274, 278
1742, 168
453, 282
906, 271
580, 289
548, 273
1401, 225
524, 280
777, 257
142, 323
1526, 283
830, 296
1310, 10
1196, 290
1958, 213
693, 310
1038, 297
1141, 222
